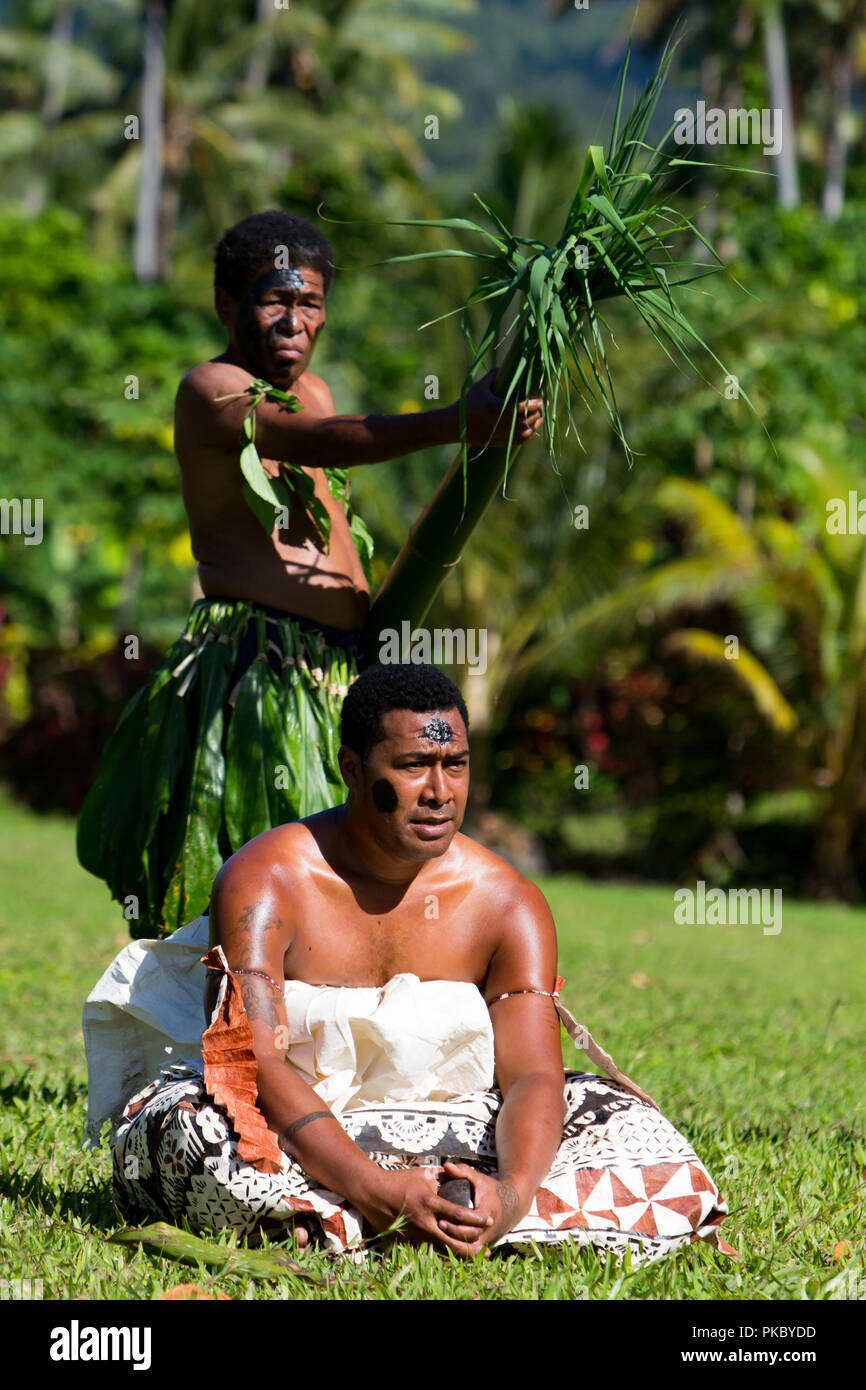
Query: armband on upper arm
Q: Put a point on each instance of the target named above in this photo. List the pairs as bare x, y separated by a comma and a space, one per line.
547, 993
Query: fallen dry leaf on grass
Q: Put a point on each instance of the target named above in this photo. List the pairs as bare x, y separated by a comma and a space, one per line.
194, 1291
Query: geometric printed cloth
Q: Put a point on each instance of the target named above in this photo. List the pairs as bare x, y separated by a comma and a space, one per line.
622, 1179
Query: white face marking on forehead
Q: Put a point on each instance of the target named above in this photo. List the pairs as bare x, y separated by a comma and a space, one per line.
437, 730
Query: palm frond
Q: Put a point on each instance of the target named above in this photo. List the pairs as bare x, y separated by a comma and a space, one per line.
614, 244
701, 645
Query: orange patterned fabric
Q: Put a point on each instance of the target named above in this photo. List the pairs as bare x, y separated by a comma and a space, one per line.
230, 1072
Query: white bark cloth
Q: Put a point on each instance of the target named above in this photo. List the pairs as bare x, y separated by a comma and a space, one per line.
408, 1069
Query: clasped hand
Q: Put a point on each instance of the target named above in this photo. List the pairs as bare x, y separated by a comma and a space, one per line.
413, 1192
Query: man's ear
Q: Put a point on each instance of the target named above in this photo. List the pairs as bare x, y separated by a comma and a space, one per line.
351, 768
224, 305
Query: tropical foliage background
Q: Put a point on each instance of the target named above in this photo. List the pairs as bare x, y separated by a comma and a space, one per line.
609, 643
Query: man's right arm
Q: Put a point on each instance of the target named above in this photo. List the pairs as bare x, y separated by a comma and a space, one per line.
246, 921
319, 438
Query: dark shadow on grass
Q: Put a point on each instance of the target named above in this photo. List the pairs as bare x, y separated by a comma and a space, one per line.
90, 1206
26, 1086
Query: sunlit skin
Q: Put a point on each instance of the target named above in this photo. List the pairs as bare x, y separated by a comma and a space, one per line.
273, 327
272, 330
429, 784
356, 895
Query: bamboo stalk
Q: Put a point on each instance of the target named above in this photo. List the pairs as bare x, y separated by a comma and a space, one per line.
442, 530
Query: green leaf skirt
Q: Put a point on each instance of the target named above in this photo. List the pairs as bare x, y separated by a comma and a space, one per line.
211, 752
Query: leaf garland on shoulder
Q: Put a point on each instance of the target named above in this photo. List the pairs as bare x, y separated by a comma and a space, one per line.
264, 495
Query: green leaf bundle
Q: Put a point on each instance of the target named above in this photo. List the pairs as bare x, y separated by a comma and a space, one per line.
547, 302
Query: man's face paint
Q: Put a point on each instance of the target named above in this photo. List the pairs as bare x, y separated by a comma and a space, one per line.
292, 279
410, 793
384, 796
437, 730
269, 333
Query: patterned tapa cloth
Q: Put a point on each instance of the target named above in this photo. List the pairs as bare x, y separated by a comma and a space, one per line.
408, 1070
235, 731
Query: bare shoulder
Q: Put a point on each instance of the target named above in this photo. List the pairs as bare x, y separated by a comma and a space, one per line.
202, 420
202, 384
269, 863
517, 923
253, 907
518, 903
317, 388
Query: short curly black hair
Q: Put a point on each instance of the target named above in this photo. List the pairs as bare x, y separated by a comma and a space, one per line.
400, 685
249, 244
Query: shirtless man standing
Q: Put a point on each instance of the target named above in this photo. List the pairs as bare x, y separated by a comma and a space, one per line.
285, 596
273, 318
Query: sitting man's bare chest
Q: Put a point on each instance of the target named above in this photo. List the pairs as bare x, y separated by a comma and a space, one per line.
344, 935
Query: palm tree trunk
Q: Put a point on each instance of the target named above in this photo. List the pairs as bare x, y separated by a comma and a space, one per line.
53, 101
177, 138
779, 81
57, 71
833, 199
257, 68
146, 255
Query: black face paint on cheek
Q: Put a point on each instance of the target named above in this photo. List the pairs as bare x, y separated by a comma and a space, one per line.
437, 730
384, 796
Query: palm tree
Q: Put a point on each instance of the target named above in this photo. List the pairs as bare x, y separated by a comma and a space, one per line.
58, 87
263, 91
812, 574
228, 102
779, 89
842, 63
147, 260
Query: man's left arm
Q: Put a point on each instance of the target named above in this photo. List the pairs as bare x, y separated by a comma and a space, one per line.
529, 1069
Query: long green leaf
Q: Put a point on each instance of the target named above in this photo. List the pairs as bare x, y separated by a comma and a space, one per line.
175, 1244
247, 801
200, 860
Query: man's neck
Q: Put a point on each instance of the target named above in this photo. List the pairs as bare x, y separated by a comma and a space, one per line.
235, 358
363, 857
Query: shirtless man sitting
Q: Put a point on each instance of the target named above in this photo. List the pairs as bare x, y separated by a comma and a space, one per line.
382, 996
339, 899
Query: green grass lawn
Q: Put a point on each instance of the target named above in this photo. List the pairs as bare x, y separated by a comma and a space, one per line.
753, 1046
